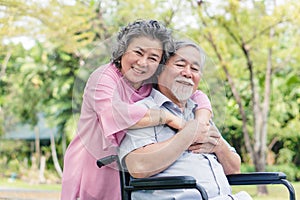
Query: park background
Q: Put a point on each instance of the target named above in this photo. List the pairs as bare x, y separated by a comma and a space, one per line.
48, 49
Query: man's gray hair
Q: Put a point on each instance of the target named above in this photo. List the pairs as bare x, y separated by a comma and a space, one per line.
147, 28
186, 43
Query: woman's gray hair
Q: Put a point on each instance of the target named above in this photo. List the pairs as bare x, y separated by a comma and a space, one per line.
148, 28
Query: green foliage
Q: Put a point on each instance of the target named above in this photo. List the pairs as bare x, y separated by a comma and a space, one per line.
285, 113
285, 156
231, 33
14, 166
291, 171
12, 155
247, 168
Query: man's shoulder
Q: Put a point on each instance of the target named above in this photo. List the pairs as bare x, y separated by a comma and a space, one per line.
155, 99
148, 101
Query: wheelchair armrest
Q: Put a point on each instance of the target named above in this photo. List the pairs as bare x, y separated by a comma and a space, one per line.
256, 178
106, 160
168, 182
262, 178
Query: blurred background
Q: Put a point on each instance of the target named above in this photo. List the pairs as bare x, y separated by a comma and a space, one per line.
48, 49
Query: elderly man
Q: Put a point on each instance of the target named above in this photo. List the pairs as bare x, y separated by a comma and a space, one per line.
161, 151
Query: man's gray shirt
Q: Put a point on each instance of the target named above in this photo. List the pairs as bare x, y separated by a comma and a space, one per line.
205, 168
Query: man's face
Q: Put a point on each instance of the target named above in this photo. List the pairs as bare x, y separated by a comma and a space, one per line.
181, 76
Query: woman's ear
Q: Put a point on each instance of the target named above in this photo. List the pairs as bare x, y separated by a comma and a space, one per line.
118, 63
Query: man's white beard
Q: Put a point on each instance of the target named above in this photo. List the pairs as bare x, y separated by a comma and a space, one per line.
182, 92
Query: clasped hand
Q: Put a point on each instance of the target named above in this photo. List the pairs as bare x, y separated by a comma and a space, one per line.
207, 137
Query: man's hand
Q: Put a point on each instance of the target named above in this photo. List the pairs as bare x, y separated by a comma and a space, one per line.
206, 141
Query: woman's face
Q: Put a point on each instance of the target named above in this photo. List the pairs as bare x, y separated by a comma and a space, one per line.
141, 60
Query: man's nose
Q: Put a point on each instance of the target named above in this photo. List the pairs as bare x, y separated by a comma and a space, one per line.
186, 71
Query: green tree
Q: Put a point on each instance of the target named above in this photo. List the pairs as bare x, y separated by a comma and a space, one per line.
249, 53
40, 79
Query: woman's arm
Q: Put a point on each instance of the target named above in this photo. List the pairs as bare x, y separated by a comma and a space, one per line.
204, 110
202, 100
154, 117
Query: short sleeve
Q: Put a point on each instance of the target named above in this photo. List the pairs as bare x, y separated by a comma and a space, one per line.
111, 98
135, 139
202, 100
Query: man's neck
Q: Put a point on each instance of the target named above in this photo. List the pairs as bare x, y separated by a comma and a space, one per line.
180, 104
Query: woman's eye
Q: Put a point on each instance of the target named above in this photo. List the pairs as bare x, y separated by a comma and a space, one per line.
138, 53
180, 65
153, 59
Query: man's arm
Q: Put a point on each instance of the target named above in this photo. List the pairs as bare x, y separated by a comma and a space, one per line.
154, 158
229, 159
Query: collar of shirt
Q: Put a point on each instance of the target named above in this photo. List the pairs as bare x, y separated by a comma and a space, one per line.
163, 101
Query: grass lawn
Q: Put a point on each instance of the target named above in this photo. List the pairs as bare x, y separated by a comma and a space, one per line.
276, 192
4, 182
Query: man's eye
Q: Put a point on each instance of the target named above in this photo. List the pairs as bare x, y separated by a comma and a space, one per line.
196, 69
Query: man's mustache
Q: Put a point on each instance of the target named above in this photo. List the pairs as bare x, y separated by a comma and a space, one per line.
184, 80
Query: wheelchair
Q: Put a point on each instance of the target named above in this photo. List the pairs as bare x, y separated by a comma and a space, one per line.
187, 182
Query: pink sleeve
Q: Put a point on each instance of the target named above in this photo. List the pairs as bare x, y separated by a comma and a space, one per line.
202, 100
110, 99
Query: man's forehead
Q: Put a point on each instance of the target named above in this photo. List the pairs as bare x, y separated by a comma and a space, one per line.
189, 54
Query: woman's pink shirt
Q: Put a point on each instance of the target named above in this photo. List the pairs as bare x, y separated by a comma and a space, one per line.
107, 110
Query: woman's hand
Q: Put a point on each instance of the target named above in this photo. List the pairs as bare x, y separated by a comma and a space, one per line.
171, 120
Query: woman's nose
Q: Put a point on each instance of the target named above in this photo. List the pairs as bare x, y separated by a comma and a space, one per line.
142, 61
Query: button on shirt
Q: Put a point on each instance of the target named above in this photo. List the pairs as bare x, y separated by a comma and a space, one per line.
205, 168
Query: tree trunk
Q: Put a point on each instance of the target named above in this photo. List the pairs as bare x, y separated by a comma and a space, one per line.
4, 64
42, 169
64, 143
54, 156
262, 190
37, 145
